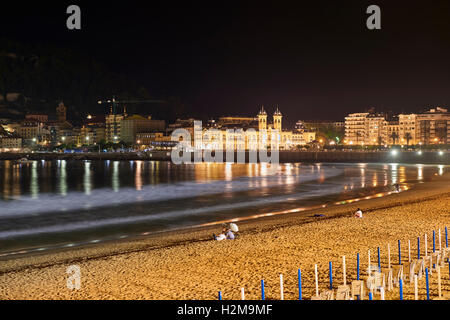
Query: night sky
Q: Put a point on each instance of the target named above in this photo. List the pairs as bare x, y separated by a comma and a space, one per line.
316, 61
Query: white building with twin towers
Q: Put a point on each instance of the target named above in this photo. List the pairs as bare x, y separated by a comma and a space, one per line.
244, 133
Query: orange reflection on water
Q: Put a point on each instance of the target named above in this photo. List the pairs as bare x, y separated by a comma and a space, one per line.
402, 174
138, 176
375, 180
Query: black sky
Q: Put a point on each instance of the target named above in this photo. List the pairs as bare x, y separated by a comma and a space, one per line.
315, 59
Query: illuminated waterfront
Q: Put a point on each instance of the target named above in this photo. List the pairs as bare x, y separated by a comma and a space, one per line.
48, 203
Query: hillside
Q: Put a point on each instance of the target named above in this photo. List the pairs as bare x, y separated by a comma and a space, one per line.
45, 75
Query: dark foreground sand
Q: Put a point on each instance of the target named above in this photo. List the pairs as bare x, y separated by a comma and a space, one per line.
189, 265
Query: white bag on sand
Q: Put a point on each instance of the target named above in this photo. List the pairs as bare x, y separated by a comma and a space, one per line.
234, 227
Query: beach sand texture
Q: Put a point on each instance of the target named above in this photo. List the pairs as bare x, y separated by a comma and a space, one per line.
190, 269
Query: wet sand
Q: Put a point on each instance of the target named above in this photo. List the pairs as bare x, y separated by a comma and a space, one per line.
189, 265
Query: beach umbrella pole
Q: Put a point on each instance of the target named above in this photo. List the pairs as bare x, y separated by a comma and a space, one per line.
263, 296
446, 237
439, 281
299, 284
357, 266
331, 275
379, 260
281, 287
317, 280
418, 248
344, 271
434, 241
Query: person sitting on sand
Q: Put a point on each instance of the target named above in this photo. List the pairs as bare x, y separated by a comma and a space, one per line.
230, 234
220, 237
358, 213
227, 234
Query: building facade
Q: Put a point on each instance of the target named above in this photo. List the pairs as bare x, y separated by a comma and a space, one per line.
408, 132
131, 126
92, 134
113, 127
9, 142
355, 128
427, 128
253, 133
433, 126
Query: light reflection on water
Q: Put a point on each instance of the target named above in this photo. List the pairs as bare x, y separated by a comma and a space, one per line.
47, 202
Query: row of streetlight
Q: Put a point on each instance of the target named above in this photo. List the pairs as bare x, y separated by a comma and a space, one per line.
395, 152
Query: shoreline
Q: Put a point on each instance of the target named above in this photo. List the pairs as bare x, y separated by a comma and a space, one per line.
213, 225
303, 212
428, 190
195, 241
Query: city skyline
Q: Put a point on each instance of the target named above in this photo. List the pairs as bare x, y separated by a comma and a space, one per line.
247, 132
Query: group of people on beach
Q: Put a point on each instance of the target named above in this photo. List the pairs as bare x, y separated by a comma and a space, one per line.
228, 232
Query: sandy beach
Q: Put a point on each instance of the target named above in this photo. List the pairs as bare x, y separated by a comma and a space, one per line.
189, 265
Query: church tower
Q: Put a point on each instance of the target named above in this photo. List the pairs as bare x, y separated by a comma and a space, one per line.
262, 120
277, 117
61, 112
